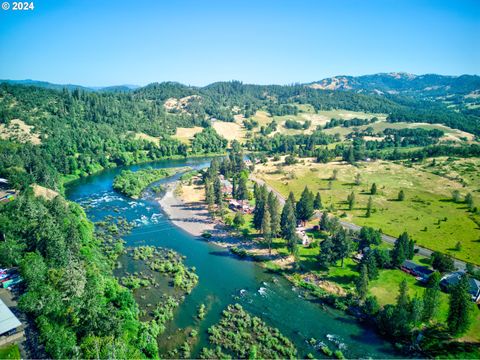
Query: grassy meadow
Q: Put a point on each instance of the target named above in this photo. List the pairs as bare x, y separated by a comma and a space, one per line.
428, 214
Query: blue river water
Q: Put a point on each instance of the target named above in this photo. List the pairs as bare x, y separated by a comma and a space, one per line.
225, 279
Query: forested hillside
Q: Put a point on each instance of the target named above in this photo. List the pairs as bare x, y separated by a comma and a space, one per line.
82, 131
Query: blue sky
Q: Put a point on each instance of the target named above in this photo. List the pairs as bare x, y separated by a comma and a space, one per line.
100, 43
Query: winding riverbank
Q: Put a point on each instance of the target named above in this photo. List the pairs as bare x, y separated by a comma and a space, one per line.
223, 278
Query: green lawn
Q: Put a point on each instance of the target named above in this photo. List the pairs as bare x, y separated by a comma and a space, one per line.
427, 214
10, 352
385, 288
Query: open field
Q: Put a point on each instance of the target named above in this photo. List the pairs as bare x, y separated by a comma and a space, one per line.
20, 131
230, 130
450, 134
143, 136
464, 171
427, 213
308, 113
187, 134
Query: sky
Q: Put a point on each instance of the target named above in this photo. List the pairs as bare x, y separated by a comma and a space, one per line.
197, 42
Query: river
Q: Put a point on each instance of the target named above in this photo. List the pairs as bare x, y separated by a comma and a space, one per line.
225, 279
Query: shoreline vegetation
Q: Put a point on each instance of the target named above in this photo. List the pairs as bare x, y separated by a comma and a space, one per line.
178, 204
133, 183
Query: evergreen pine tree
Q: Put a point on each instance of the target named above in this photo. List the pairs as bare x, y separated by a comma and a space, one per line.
469, 201
217, 190
459, 307
274, 207
267, 228
403, 298
362, 283
323, 224
317, 203
260, 203
326, 254
431, 297
242, 191
369, 207
373, 189
342, 243
351, 200
304, 208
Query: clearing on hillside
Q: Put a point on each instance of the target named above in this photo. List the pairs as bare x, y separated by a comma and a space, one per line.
18, 130
185, 135
229, 130
307, 113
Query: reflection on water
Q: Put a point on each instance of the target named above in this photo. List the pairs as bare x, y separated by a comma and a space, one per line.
224, 279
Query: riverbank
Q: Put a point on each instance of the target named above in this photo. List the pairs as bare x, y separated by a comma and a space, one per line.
193, 216
186, 208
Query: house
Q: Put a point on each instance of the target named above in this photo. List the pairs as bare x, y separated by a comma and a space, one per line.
240, 205
9, 325
452, 279
302, 235
227, 187
422, 273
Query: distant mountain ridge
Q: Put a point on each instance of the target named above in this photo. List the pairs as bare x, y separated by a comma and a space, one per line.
428, 85
394, 83
49, 85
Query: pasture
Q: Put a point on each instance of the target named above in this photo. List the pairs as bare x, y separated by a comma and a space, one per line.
428, 213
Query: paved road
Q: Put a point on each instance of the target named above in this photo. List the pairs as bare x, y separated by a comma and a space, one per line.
460, 265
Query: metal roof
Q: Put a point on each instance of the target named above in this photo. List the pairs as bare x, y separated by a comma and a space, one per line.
8, 320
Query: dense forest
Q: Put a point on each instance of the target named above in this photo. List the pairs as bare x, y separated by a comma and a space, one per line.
83, 131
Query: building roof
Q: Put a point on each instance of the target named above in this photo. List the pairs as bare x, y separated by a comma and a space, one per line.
453, 278
409, 265
417, 269
8, 321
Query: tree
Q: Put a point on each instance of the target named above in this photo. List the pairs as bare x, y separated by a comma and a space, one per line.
442, 263
403, 298
369, 236
351, 200
369, 207
358, 179
323, 224
350, 158
238, 220
317, 203
326, 255
459, 307
416, 310
267, 229
373, 189
305, 205
469, 201
260, 204
209, 195
431, 297
362, 283
401, 250
241, 192
217, 190
289, 225
456, 196
274, 208
401, 195
334, 174
342, 244
370, 261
